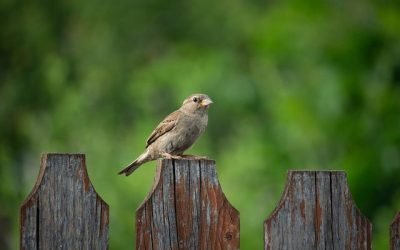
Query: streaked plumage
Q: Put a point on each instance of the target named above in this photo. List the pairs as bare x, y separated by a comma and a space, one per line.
176, 133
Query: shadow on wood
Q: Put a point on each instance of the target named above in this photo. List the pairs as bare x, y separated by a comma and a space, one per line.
187, 210
63, 211
316, 211
395, 233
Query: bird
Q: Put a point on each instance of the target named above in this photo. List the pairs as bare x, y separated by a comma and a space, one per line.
176, 133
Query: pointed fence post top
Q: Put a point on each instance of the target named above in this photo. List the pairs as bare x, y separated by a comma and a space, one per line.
395, 233
316, 211
187, 209
50, 160
63, 210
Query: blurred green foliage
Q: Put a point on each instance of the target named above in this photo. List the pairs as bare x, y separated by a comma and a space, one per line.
296, 84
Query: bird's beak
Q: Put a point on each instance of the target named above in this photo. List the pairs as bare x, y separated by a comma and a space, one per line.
206, 103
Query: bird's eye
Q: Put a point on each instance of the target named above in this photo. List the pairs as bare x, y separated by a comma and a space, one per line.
195, 99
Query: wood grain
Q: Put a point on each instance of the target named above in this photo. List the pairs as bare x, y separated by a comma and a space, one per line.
63, 211
316, 211
187, 210
395, 233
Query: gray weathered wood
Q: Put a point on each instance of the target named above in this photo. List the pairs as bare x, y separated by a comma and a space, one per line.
187, 210
395, 233
63, 211
316, 211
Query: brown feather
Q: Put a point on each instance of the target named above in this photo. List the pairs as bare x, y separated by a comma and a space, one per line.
166, 125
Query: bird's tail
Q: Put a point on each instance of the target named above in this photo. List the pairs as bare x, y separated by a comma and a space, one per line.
136, 163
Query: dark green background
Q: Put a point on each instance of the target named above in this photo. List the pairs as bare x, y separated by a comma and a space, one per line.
296, 85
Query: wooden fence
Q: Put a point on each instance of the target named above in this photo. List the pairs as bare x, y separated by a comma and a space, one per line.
187, 209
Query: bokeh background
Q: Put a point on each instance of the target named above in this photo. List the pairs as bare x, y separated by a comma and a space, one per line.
296, 85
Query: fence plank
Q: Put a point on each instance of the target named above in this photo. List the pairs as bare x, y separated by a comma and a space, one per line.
63, 211
187, 210
316, 211
395, 233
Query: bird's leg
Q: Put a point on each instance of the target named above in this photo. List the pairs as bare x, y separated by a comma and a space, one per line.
200, 157
194, 157
166, 156
169, 156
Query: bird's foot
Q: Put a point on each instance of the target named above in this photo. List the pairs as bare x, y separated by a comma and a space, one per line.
194, 157
169, 156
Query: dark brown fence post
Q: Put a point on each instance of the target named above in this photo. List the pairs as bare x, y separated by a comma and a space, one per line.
187, 210
316, 211
63, 211
395, 233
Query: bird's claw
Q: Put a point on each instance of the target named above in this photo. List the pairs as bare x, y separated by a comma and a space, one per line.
169, 156
201, 158
194, 157
178, 157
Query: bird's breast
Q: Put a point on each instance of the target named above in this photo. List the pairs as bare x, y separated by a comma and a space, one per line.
185, 134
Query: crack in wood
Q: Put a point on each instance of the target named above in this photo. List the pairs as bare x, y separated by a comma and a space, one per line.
288, 227
61, 210
198, 204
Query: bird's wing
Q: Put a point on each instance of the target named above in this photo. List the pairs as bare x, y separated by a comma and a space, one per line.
166, 125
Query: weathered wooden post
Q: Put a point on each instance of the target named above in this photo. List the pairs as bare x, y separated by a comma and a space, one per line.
316, 211
63, 211
187, 210
395, 233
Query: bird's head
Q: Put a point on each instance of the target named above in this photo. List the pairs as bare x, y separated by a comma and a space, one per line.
197, 103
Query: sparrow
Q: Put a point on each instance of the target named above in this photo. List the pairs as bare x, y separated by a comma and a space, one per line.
176, 133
